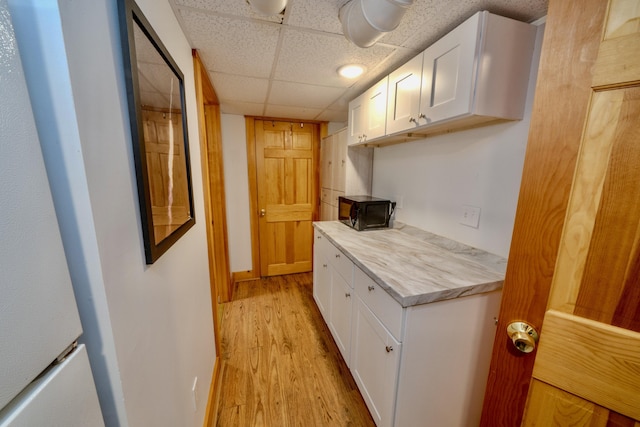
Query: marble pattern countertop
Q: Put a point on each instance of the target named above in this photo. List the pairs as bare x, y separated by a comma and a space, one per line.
415, 266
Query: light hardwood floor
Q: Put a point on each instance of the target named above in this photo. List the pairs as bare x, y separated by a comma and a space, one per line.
280, 366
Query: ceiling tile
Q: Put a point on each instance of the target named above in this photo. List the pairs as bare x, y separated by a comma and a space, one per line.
301, 113
232, 46
231, 7
303, 95
314, 58
241, 108
319, 15
239, 88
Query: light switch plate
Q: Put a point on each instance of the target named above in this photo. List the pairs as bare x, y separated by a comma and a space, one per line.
470, 216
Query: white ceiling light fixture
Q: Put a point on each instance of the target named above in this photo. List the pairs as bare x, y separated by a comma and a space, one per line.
351, 71
364, 22
268, 7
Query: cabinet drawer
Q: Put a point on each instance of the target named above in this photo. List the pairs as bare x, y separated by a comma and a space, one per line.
334, 197
380, 303
321, 246
342, 264
325, 195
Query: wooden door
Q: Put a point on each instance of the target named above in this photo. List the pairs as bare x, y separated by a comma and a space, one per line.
586, 369
285, 173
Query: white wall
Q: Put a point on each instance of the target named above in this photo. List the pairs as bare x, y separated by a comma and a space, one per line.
236, 187
436, 176
148, 328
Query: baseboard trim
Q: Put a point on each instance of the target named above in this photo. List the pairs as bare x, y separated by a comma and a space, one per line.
243, 276
212, 404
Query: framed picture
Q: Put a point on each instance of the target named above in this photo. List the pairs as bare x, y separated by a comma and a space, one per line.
155, 92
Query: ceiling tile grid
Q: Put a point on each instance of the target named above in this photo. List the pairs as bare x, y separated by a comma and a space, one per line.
231, 87
286, 65
232, 46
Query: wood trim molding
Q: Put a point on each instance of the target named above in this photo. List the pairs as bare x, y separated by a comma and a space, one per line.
212, 402
253, 197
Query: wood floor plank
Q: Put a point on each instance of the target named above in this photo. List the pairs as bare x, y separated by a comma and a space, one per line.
280, 365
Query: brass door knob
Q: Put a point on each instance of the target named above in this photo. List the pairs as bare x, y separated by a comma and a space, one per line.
523, 336
263, 212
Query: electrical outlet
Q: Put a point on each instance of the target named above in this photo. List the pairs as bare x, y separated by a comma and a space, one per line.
470, 216
194, 394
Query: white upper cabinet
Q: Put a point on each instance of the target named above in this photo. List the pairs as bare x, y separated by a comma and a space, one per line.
356, 120
403, 104
368, 114
478, 73
448, 72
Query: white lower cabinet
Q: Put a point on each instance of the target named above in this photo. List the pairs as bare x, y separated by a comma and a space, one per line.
321, 274
333, 291
445, 361
423, 365
374, 364
340, 317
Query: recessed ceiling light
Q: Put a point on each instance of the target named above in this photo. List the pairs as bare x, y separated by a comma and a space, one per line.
351, 71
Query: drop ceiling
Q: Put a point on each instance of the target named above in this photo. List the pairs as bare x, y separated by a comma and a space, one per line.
285, 66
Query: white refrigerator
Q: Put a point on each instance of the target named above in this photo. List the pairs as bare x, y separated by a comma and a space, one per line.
45, 377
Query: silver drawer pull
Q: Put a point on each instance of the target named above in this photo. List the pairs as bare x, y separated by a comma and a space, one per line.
337, 255
318, 237
389, 348
324, 265
371, 288
347, 295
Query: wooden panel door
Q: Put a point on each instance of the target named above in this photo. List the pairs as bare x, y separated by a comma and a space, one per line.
286, 170
587, 366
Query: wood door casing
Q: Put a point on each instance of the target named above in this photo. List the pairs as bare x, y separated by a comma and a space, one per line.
214, 208
586, 368
286, 174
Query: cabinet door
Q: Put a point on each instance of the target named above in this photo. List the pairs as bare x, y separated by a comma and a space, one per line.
327, 162
321, 275
356, 120
403, 103
376, 111
340, 316
375, 358
449, 71
340, 162
326, 212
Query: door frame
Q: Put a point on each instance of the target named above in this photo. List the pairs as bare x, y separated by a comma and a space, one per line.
256, 272
214, 207
569, 51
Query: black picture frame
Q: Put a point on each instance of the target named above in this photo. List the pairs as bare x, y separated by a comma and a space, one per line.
159, 134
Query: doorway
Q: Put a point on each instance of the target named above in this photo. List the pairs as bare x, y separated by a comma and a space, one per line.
283, 160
